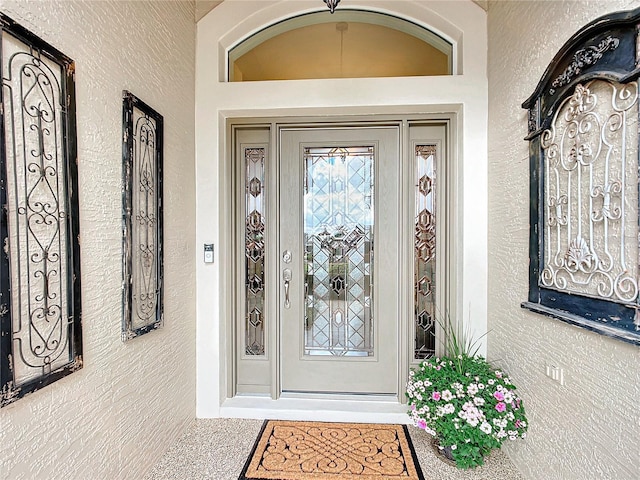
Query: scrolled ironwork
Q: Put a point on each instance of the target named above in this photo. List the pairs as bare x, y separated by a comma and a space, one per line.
591, 176
142, 218
582, 58
584, 160
40, 314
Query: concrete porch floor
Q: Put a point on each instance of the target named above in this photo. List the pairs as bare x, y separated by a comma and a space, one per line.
216, 449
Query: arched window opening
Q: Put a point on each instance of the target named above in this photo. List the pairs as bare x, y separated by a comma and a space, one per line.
347, 44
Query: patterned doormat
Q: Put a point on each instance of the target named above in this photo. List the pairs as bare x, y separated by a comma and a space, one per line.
288, 450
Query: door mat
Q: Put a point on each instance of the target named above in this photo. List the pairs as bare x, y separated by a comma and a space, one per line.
288, 450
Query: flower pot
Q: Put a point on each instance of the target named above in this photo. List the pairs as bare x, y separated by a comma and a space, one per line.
465, 392
443, 453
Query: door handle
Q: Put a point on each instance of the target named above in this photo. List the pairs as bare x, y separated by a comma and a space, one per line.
286, 276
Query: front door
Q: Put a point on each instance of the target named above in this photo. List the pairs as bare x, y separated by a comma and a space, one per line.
339, 229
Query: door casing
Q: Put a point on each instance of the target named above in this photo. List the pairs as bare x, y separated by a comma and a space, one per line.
447, 231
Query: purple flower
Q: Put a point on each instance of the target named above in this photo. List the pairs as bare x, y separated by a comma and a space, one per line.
498, 396
421, 424
436, 396
413, 407
501, 407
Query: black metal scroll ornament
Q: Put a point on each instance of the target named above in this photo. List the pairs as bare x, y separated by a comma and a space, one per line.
142, 218
587, 97
40, 321
583, 58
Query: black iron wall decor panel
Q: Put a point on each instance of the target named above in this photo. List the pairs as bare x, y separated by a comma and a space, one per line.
40, 317
142, 218
584, 162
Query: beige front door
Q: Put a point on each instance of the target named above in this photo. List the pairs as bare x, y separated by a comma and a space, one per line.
339, 238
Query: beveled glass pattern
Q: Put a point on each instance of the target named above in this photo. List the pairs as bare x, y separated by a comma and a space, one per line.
591, 193
254, 250
425, 250
338, 241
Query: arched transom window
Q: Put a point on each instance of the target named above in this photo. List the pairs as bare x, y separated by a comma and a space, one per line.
347, 44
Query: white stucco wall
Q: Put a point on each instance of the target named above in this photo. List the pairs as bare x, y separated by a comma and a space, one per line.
462, 22
116, 416
589, 428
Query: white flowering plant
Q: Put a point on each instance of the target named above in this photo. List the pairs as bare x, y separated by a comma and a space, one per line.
470, 407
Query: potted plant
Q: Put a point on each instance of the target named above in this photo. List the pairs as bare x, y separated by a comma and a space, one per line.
466, 404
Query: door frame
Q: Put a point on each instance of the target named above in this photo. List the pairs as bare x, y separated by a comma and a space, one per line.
448, 250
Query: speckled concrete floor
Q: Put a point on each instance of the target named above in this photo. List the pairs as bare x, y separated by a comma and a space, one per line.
216, 449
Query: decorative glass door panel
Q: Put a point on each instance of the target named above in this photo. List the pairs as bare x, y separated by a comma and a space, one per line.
253, 290
338, 238
425, 250
255, 219
339, 235
336, 270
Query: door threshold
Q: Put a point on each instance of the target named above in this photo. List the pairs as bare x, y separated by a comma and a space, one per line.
378, 409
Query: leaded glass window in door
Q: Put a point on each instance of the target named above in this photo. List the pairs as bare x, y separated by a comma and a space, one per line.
425, 250
254, 250
338, 245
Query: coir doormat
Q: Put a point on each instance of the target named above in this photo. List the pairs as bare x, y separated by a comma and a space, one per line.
288, 450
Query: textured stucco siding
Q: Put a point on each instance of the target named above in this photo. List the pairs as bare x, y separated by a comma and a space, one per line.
589, 428
115, 417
